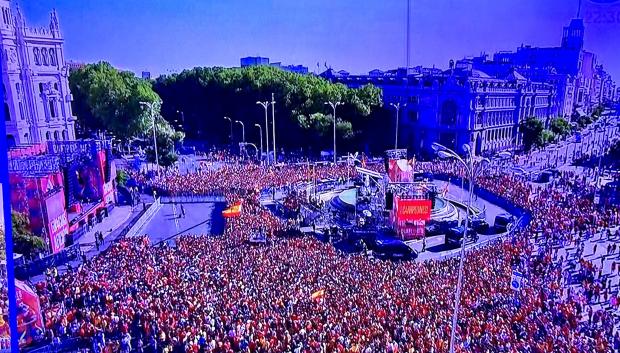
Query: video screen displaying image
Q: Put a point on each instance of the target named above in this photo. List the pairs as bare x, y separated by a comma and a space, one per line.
191, 176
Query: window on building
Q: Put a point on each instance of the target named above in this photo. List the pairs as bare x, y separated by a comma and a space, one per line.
52, 108
37, 56
56, 135
40, 87
21, 111
17, 88
7, 112
64, 135
44, 56
449, 113
48, 136
56, 86
52, 53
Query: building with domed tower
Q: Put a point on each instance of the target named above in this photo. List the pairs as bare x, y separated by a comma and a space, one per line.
37, 99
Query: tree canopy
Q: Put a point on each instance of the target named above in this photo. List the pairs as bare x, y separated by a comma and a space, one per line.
24, 242
532, 129
110, 100
560, 127
203, 96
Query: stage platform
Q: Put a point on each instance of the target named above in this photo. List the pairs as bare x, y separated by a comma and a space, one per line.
345, 201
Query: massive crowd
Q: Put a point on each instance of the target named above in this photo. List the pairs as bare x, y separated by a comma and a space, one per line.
4, 308
296, 294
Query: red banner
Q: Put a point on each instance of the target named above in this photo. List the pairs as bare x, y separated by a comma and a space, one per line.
28, 193
413, 210
29, 317
57, 223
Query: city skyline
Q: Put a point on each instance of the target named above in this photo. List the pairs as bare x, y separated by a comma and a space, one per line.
168, 36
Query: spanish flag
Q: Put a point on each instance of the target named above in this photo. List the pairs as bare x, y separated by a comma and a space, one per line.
318, 294
233, 211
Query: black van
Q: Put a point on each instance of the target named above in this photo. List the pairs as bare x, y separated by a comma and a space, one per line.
393, 249
503, 222
455, 235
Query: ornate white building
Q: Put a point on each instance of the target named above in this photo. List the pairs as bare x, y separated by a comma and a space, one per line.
37, 100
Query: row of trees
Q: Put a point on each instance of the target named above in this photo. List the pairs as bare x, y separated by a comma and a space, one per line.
206, 95
194, 103
536, 135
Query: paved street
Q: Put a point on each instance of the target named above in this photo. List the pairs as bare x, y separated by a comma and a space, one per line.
200, 218
118, 216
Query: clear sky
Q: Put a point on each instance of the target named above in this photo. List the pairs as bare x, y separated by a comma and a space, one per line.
355, 35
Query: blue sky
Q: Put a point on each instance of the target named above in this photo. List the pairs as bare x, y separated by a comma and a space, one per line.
355, 35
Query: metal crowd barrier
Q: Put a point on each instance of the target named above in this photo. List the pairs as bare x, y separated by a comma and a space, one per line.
193, 198
142, 219
39, 266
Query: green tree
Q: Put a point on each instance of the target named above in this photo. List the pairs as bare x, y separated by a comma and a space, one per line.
121, 177
24, 242
546, 137
532, 129
561, 127
108, 99
206, 95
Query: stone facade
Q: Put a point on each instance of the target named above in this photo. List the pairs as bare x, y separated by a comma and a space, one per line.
461, 105
568, 65
35, 80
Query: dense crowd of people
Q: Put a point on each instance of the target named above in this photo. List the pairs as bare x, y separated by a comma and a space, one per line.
4, 308
297, 294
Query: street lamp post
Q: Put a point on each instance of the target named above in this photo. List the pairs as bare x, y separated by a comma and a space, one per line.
273, 125
242, 129
231, 130
260, 132
265, 105
334, 105
151, 106
445, 152
397, 106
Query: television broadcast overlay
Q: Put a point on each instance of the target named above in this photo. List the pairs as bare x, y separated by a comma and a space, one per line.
204, 176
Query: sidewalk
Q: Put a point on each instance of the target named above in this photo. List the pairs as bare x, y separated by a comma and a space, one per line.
115, 219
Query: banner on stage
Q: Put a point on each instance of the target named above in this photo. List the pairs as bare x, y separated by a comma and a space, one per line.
413, 210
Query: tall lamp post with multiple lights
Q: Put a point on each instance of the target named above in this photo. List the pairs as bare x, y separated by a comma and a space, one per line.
273, 125
265, 105
151, 106
444, 152
334, 105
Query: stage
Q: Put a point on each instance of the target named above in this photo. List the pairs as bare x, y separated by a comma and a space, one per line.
346, 201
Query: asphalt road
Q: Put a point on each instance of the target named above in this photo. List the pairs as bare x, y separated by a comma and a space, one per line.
200, 218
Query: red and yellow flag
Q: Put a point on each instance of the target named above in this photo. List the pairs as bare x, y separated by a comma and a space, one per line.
233, 211
318, 294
